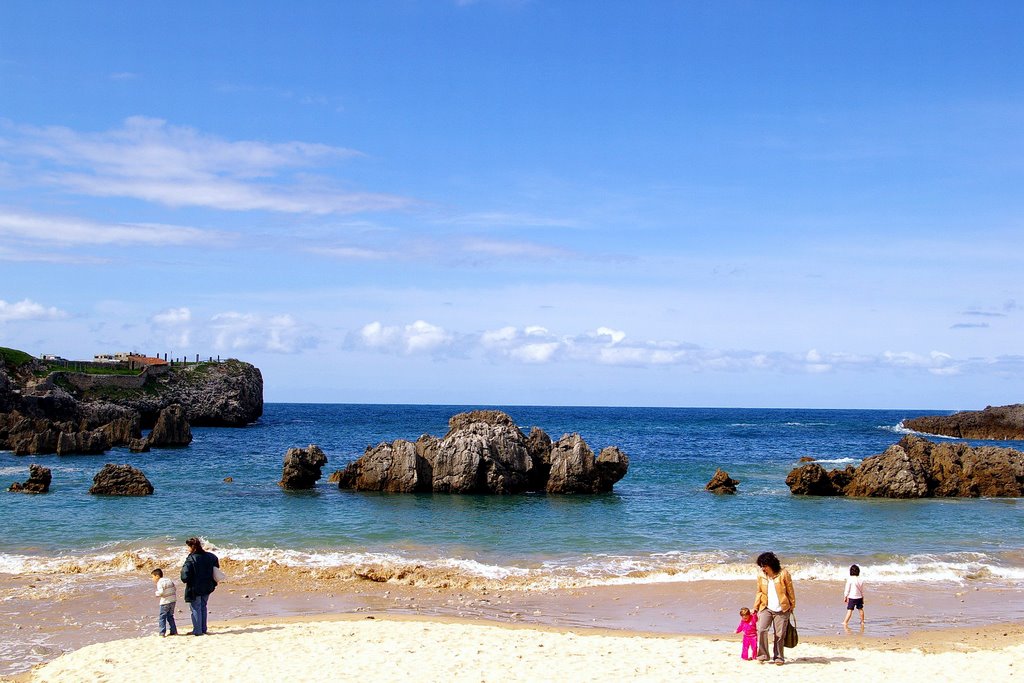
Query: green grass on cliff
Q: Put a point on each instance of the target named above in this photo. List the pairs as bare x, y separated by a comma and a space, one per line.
14, 357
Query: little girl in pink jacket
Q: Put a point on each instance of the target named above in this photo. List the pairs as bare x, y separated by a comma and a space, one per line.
748, 627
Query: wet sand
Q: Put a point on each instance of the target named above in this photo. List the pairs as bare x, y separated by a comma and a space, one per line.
52, 614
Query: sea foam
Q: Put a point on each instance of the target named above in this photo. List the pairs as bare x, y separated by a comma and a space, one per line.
563, 572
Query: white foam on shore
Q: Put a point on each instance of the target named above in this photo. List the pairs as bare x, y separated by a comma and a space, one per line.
569, 572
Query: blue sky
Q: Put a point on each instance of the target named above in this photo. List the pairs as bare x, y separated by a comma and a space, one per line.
497, 202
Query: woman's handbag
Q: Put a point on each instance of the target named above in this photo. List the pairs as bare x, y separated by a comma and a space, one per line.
792, 637
219, 576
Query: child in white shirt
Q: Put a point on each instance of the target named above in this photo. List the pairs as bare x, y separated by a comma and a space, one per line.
168, 594
853, 595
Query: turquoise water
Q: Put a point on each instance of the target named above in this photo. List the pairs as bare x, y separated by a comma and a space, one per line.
658, 524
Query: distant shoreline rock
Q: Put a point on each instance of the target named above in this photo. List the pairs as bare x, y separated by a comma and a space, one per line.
918, 468
485, 452
998, 423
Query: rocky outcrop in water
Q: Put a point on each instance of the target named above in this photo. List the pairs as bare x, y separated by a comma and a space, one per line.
27, 435
485, 452
995, 423
721, 483
302, 467
918, 468
39, 478
171, 429
393, 467
120, 480
813, 480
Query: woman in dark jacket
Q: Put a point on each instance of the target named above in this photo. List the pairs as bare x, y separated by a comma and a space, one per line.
197, 575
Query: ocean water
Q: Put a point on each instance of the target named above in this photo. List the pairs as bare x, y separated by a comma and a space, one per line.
658, 525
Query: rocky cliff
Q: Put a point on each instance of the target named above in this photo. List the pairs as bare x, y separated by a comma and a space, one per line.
997, 423
226, 394
45, 412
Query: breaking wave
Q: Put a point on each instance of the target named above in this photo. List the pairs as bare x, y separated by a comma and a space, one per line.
900, 428
571, 572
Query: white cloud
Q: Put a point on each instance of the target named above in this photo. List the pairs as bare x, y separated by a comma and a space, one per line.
31, 256
26, 309
173, 324
615, 335
501, 337
351, 253
609, 346
151, 160
499, 219
512, 249
422, 336
535, 353
418, 337
815, 362
611, 355
172, 316
936, 362
233, 331
63, 230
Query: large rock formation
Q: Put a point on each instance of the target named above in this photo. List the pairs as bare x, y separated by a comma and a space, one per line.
171, 429
573, 468
485, 452
38, 480
397, 467
721, 483
86, 433
918, 468
302, 467
120, 480
44, 412
999, 423
225, 394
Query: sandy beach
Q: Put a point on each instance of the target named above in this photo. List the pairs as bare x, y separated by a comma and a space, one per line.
280, 624
382, 648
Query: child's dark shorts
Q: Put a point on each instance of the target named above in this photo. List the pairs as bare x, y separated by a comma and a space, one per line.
855, 602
